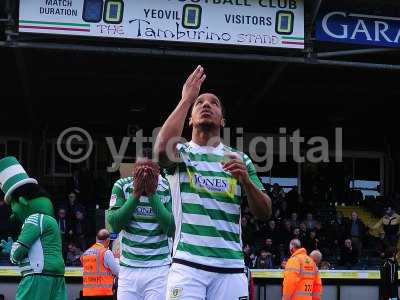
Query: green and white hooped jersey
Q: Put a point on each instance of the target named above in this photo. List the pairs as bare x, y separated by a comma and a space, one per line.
143, 242
206, 206
41, 235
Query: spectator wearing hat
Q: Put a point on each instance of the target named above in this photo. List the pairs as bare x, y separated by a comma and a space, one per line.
389, 224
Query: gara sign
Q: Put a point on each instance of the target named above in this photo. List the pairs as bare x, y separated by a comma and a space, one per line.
341, 26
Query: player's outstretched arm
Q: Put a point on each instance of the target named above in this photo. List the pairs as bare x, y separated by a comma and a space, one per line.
171, 131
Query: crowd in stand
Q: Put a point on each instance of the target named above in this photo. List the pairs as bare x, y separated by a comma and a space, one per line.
74, 228
344, 242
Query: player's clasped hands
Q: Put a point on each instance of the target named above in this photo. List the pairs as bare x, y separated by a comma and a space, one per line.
145, 177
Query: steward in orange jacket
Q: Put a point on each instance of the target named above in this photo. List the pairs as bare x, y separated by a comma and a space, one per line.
301, 280
99, 269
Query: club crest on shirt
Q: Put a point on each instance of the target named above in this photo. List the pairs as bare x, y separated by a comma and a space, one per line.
113, 200
175, 293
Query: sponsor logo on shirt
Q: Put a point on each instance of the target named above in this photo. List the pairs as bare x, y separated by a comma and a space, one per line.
144, 211
213, 184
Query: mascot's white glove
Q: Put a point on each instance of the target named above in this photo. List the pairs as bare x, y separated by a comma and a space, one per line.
14, 248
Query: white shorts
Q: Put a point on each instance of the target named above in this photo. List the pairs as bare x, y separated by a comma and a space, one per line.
142, 283
187, 283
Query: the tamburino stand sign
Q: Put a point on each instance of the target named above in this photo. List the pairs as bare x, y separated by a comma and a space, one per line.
261, 23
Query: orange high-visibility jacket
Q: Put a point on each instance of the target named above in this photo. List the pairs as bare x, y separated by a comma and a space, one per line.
301, 280
97, 279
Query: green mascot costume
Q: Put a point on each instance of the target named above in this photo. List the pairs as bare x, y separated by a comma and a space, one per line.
38, 250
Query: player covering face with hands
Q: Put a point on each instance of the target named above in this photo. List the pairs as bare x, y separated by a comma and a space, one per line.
140, 210
145, 174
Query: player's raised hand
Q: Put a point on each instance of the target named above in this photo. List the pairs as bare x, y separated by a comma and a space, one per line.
192, 86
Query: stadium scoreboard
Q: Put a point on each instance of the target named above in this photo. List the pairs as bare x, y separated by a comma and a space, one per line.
257, 23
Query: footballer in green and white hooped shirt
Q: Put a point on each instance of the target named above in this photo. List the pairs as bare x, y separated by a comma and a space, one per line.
208, 182
140, 209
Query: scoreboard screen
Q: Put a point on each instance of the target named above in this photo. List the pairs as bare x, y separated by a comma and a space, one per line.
258, 23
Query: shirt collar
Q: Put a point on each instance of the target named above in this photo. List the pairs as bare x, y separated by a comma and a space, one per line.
211, 148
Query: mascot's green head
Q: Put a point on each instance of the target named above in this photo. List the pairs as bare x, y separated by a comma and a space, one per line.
24, 194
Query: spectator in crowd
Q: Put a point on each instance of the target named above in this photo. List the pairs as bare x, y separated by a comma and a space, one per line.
248, 230
249, 257
311, 242
73, 255
81, 230
286, 232
294, 220
355, 230
303, 231
73, 206
389, 223
335, 231
296, 234
270, 248
277, 215
277, 194
324, 240
349, 256
265, 260
310, 222
272, 231
261, 232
